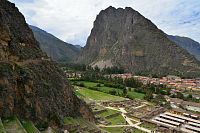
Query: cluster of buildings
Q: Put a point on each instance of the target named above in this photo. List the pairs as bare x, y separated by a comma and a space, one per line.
176, 121
172, 82
179, 103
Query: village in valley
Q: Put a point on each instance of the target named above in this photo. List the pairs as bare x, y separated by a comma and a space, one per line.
172, 107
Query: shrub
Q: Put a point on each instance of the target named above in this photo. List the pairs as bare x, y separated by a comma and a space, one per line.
112, 92
81, 85
98, 85
42, 125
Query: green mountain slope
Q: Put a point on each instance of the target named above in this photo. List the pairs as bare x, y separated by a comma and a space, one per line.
55, 48
190, 45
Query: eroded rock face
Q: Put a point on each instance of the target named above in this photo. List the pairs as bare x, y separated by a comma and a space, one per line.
133, 42
31, 86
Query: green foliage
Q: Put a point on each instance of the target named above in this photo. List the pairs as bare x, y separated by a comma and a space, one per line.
112, 92
108, 84
73, 67
149, 95
93, 88
179, 95
96, 69
98, 85
81, 85
29, 127
131, 82
189, 96
97, 95
42, 125
124, 91
133, 95
5, 69
113, 70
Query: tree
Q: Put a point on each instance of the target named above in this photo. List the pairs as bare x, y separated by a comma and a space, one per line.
179, 95
190, 96
98, 85
160, 100
112, 92
149, 95
124, 91
96, 69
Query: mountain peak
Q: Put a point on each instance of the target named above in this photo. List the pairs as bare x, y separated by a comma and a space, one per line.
125, 38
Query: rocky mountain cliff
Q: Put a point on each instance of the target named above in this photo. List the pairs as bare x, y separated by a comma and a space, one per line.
55, 48
31, 86
125, 38
190, 45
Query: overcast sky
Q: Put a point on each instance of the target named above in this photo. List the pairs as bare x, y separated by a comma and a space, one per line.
72, 20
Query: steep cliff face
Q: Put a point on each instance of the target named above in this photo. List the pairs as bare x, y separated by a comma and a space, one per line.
188, 44
55, 48
31, 86
123, 37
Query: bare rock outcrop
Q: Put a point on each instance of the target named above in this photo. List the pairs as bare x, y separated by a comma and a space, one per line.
133, 42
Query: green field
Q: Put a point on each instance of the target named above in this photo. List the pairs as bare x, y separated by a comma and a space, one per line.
118, 120
114, 129
148, 126
97, 95
131, 94
88, 84
29, 127
137, 95
108, 112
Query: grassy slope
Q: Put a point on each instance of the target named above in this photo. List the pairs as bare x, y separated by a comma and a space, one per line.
114, 129
2, 130
13, 125
29, 127
81, 122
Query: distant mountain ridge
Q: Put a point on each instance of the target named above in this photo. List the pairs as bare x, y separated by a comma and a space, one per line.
55, 48
193, 47
125, 38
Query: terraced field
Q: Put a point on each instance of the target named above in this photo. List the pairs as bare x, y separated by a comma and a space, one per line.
80, 125
29, 127
113, 117
2, 130
12, 125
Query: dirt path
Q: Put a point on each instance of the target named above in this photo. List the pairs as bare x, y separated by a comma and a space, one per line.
129, 121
